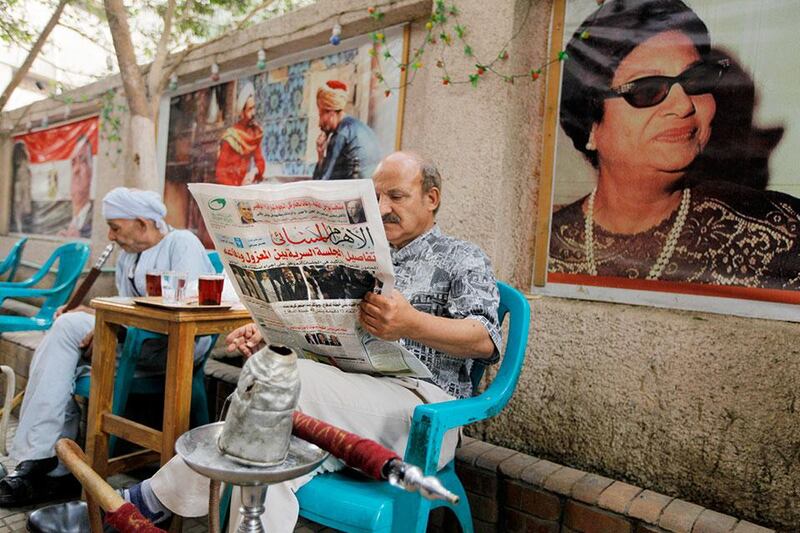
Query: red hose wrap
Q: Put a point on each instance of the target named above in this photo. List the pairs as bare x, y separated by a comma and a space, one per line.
357, 452
128, 519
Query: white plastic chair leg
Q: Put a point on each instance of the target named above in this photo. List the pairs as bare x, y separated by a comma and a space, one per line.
11, 383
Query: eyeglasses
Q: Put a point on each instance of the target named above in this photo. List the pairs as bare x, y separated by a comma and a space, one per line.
652, 90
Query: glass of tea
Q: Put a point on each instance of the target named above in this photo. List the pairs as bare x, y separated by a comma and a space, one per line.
173, 287
209, 289
153, 283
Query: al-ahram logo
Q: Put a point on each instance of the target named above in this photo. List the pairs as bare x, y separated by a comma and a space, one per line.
216, 204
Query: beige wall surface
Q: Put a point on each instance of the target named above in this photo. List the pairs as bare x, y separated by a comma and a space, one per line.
695, 405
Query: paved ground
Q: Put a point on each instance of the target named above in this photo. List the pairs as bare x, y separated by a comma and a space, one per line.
13, 520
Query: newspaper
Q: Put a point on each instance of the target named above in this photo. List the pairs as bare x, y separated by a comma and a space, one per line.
301, 256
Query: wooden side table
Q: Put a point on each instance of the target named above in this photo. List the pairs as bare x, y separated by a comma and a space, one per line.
181, 326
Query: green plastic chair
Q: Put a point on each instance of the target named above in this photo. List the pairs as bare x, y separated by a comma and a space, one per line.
9, 265
126, 381
71, 259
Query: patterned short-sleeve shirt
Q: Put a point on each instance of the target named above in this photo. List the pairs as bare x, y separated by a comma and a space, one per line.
450, 278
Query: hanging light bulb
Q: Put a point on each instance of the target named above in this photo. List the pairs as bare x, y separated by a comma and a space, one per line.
173, 81
214, 72
28, 124
45, 121
262, 59
336, 34
67, 111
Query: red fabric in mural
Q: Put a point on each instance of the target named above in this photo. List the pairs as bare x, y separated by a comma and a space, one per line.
57, 143
239, 143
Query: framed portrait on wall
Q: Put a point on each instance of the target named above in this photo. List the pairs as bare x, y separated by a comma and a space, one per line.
319, 114
52, 175
674, 165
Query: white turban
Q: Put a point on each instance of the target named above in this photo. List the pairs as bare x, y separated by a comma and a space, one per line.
134, 203
247, 91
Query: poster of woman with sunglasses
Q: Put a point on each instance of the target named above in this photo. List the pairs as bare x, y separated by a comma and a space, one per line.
672, 170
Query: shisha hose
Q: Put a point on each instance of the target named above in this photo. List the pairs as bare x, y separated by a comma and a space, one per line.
368, 456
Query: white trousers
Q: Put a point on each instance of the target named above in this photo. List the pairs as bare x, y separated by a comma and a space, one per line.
49, 411
376, 408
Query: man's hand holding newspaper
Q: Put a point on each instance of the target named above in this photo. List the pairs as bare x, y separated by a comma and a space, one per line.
313, 275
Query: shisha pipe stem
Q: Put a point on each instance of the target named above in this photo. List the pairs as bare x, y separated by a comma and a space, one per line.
375, 460
409, 477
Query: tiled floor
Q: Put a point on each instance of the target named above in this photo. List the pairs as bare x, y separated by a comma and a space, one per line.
13, 520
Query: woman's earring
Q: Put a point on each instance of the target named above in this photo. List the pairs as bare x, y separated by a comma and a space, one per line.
590, 143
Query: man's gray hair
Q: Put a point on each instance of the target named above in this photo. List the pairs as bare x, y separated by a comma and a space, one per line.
430, 175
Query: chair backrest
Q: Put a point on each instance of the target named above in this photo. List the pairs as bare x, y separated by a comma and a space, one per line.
216, 262
509, 297
430, 421
9, 265
71, 258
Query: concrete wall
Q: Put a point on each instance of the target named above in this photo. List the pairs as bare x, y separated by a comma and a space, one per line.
693, 405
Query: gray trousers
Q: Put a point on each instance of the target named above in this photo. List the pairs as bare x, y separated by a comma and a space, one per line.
49, 411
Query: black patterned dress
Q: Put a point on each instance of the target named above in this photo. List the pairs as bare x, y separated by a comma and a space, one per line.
732, 236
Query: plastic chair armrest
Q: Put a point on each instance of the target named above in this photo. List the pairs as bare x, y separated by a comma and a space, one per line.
33, 280
24, 292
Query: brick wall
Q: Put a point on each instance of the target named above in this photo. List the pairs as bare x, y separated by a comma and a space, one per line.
513, 492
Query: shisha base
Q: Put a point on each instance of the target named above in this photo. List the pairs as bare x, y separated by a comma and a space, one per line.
198, 448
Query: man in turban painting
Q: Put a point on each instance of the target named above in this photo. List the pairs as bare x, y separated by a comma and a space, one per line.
241, 143
347, 148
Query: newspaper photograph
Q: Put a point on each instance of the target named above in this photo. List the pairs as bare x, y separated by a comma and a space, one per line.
301, 257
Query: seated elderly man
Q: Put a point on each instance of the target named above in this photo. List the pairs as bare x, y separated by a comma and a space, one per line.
444, 311
136, 223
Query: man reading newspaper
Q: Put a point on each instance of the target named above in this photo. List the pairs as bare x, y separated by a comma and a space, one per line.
443, 310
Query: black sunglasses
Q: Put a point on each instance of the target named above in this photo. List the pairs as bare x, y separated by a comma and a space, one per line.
652, 90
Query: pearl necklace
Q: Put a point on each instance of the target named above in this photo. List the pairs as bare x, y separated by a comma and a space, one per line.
666, 251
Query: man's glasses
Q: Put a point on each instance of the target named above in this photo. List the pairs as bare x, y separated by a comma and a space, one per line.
652, 90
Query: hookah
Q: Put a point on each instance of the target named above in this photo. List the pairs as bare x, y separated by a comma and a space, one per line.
264, 441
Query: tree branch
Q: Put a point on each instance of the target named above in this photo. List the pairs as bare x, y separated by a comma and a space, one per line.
101, 44
132, 78
162, 50
37, 47
174, 62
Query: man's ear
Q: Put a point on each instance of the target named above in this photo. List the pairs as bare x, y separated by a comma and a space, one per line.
433, 197
141, 224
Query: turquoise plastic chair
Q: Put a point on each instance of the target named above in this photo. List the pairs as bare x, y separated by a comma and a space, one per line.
71, 259
9, 265
216, 262
126, 381
353, 503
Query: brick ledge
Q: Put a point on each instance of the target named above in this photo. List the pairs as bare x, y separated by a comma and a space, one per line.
510, 491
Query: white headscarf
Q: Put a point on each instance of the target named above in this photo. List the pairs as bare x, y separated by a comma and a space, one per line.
247, 91
131, 204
